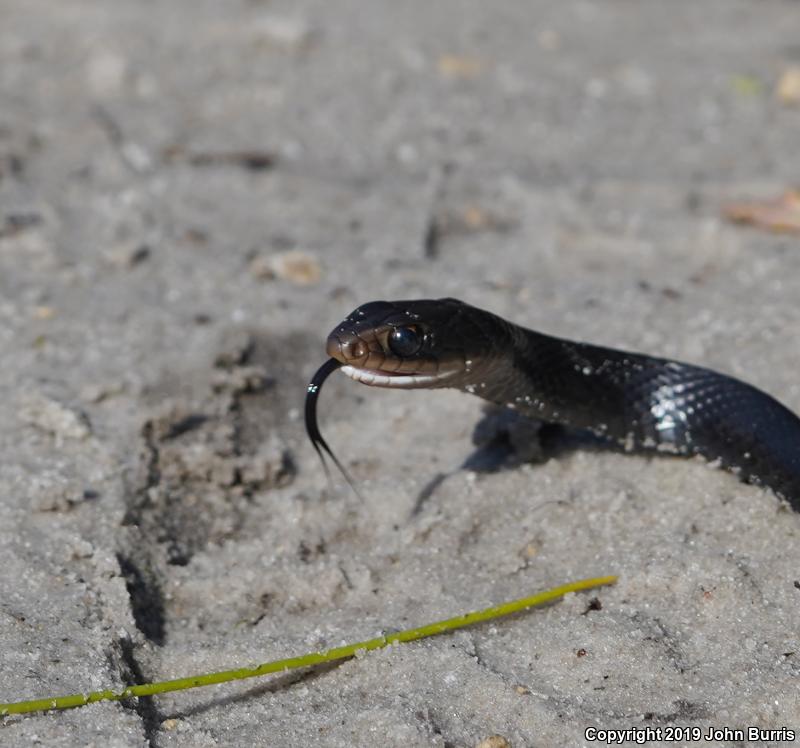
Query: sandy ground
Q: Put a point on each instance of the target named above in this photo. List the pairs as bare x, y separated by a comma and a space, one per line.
562, 164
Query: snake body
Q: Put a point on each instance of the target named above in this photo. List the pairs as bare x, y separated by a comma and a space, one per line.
640, 402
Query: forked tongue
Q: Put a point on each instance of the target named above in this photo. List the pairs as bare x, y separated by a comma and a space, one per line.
312, 428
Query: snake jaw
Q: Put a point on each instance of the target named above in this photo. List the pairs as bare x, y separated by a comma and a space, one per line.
379, 378
367, 357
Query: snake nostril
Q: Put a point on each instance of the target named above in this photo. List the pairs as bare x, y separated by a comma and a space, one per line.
352, 349
358, 349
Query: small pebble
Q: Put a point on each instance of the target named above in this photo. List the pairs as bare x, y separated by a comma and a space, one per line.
127, 255
43, 312
96, 393
549, 39
49, 415
261, 268
79, 549
284, 31
105, 72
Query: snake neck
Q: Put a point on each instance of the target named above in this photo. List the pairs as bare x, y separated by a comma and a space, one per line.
558, 381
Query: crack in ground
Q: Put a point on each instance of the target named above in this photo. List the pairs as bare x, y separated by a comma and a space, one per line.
201, 463
661, 635
152, 477
685, 711
146, 599
132, 675
434, 725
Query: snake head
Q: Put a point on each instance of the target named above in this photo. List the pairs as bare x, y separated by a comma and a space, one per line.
403, 344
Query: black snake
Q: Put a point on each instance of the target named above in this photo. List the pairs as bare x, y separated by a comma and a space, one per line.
637, 401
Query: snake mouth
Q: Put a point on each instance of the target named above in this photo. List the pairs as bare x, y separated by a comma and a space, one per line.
370, 357
396, 380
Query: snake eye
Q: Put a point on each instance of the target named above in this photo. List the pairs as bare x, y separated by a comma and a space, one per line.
405, 341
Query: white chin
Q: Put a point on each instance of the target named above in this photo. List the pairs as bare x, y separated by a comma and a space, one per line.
378, 379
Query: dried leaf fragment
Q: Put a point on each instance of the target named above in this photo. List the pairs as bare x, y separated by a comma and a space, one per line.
788, 88
781, 215
460, 66
294, 266
494, 741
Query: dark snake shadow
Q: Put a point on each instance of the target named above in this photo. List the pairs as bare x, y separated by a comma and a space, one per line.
504, 440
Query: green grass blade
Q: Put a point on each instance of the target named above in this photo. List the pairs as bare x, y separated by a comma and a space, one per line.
313, 658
